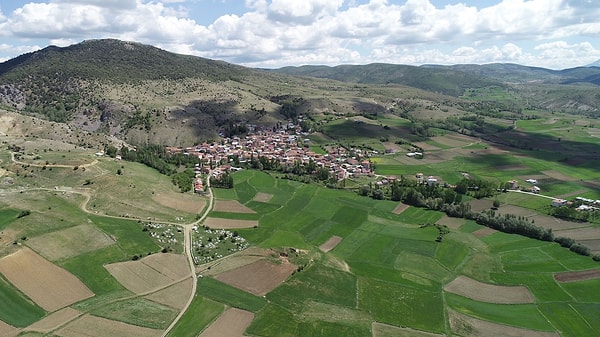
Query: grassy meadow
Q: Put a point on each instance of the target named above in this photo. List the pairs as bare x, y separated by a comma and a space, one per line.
387, 269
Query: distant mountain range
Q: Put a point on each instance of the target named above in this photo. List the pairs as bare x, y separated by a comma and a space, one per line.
145, 94
450, 80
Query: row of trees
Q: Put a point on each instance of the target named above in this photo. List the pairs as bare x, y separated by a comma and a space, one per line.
449, 201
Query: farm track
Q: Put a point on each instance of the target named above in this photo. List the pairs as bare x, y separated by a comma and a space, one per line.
187, 231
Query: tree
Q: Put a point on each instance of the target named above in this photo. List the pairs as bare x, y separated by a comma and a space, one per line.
111, 151
496, 203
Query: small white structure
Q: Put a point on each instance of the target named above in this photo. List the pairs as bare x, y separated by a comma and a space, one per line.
559, 202
531, 181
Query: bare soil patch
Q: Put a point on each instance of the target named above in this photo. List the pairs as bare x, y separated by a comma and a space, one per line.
54, 321
232, 323
480, 205
586, 233
453, 223
331, 243
491, 293
558, 175
174, 296
463, 325
571, 194
594, 245
262, 197
150, 273
93, 326
385, 330
182, 202
234, 261
221, 223
574, 276
483, 232
231, 206
450, 141
592, 184
547, 221
70, 242
48, 285
400, 208
516, 210
8, 330
427, 147
258, 278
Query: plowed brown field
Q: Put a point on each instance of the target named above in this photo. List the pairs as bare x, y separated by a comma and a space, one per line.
258, 278
93, 326
48, 285
232, 323
491, 293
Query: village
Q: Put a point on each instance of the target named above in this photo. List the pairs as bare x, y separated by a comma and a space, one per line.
286, 146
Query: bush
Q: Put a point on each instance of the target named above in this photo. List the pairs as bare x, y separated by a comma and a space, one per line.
564, 242
580, 249
24, 213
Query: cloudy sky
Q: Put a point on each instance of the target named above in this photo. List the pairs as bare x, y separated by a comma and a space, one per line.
273, 33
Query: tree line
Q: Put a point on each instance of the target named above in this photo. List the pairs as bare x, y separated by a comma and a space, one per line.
449, 201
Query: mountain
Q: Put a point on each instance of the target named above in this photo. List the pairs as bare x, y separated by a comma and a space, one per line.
135, 91
141, 94
436, 79
116, 60
450, 80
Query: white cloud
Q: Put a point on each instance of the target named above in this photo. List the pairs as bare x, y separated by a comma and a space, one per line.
284, 32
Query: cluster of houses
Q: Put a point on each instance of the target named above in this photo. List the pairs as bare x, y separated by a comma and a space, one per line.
285, 148
514, 185
586, 204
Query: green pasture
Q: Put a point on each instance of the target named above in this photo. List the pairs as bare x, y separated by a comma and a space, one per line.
316, 283
451, 253
7, 215
89, 268
199, 315
233, 297
50, 211
525, 316
138, 311
583, 291
542, 285
589, 312
274, 321
16, 309
568, 321
224, 193
129, 235
140, 184
571, 260
400, 305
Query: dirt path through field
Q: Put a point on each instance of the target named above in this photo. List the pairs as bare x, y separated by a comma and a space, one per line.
187, 246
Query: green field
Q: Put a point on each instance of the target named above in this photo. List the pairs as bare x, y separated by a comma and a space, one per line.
388, 268
199, 315
233, 297
16, 308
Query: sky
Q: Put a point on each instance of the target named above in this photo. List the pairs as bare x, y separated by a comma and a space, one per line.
555, 34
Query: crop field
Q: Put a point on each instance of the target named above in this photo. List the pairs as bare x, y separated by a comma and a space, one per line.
55, 290
70, 242
300, 259
93, 326
152, 272
232, 323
